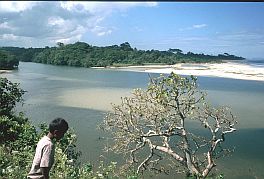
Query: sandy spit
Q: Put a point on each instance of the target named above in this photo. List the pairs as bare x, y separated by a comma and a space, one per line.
5, 71
226, 70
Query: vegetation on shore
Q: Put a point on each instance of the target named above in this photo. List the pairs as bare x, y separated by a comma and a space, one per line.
18, 139
81, 54
8, 61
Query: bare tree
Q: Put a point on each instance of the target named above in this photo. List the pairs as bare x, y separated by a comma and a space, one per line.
154, 128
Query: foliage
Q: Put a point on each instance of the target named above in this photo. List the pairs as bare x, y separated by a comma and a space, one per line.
23, 54
17, 135
19, 138
7, 60
10, 94
15, 161
82, 54
11, 125
154, 130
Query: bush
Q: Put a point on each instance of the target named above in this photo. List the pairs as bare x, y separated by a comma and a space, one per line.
18, 139
8, 61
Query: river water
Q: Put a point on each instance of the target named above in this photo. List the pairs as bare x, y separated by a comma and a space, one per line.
83, 96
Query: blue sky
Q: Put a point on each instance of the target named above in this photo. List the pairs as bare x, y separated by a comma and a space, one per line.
200, 27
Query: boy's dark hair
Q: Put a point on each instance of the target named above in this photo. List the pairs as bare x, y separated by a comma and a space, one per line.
58, 124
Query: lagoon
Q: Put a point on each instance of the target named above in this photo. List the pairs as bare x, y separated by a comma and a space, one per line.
83, 96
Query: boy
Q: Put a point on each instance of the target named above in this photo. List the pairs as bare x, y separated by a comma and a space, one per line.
44, 156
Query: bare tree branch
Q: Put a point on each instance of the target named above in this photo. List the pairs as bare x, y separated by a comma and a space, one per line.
153, 122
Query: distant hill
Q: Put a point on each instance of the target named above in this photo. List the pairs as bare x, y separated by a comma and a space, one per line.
82, 54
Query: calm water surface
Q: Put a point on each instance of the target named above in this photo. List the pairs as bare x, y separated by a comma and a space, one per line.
82, 96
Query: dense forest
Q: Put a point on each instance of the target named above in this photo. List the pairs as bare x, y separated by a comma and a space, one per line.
82, 54
8, 61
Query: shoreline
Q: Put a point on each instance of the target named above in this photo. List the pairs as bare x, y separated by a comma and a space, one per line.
5, 71
225, 70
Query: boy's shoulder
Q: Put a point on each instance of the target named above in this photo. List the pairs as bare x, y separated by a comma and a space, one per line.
45, 140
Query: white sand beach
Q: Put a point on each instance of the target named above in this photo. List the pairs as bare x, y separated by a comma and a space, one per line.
5, 71
226, 70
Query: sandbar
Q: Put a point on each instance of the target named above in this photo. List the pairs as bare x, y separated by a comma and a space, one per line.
5, 71
234, 70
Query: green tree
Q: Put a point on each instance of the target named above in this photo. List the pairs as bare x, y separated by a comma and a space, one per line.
83, 54
7, 60
179, 51
156, 124
12, 125
60, 44
125, 46
10, 94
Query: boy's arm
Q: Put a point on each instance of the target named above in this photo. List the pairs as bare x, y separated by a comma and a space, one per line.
45, 172
46, 160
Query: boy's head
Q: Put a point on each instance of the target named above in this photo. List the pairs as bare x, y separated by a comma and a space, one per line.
58, 127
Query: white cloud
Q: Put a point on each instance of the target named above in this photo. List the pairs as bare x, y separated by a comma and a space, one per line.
104, 33
8, 37
52, 21
241, 36
101, 31
95, 7
137, 29
5, 25
16, 6
48, 22
68, 40
198, 26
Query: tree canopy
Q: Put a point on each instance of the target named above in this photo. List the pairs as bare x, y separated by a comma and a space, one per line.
82, 54
7, 60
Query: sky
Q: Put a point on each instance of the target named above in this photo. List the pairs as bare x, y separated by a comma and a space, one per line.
200, 27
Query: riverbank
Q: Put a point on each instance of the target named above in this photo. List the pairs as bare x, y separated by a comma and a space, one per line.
233, 70
5, 71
